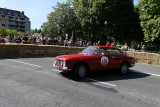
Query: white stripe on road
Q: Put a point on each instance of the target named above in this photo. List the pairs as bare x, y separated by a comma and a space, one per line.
24, 63
101, 82
56, 70
148, 73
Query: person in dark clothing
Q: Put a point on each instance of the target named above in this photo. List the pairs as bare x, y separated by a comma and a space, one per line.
55, 41
25, 39
18, 39
138, 47
44, 41
34, 39
50, 41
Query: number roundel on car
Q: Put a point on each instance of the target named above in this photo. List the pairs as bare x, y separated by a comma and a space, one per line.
104, 60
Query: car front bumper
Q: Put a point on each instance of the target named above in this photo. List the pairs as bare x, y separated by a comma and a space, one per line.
61, 68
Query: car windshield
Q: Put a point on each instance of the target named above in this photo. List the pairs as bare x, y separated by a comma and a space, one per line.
91, 51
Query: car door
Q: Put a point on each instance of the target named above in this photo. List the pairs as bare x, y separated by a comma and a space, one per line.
117, 58
107, 60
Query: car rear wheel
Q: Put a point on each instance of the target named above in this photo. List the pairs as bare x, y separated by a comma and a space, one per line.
80, 71
124, 68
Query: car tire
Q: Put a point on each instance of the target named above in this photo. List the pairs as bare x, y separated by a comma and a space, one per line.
124, 68
80, 71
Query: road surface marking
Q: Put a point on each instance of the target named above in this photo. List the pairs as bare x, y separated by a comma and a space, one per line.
101, 82
148, 73
24, 63
56, 70
92, 79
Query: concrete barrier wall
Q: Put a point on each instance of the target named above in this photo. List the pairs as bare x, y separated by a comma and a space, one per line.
29, 51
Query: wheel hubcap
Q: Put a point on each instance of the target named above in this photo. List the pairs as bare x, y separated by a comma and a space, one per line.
124, 68
82, 71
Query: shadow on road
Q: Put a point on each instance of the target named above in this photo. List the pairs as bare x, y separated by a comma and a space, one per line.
105, 76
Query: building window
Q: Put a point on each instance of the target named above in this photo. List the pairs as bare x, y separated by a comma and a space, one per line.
9, 13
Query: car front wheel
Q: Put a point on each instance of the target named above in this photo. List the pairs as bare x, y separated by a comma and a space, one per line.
124, 68
80, 72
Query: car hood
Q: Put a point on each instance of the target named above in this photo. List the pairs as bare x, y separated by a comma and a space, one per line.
72, 56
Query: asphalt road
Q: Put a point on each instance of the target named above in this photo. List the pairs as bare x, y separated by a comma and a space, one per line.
32, 82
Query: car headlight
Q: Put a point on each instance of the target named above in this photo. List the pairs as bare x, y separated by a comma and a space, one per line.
55, 61
63, 63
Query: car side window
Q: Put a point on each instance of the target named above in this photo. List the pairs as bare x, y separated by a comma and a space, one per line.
105, 51
115, 51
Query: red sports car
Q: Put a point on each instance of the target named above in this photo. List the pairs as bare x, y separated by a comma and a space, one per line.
94, 58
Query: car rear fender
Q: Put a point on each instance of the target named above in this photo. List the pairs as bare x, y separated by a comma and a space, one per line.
126, 62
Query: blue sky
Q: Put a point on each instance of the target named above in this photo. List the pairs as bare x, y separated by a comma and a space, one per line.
36, 10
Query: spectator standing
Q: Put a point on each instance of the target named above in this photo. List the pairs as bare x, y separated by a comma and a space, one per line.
125, 47
44, 41
122, 47
94, 44
55, 41
99, 43
143, 48
31, 40
60, 41
66, 42
70, 43
15, 37
138, 47
81, 43
25, 39
34, 39
113, 44
50, 41
89, 43
38, 41
108, 44
9, 38
18, 39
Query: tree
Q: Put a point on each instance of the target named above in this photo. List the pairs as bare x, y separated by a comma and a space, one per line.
150, 20
3, 31
61, 21
106, 19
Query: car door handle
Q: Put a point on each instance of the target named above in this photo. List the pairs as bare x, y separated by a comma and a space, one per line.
113, 57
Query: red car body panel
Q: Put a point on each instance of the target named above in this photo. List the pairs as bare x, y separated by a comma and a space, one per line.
94, 61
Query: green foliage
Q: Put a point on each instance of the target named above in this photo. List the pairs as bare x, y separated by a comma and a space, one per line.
35, 31
61, 21
12, 32
118, 15
150, 20
3, 31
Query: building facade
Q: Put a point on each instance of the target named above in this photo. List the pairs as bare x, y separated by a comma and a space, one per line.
12, 19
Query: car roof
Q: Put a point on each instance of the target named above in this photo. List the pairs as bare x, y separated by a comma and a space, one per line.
105, 46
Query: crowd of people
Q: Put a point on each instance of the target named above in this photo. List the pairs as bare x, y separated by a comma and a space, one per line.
125, 47
40, 40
